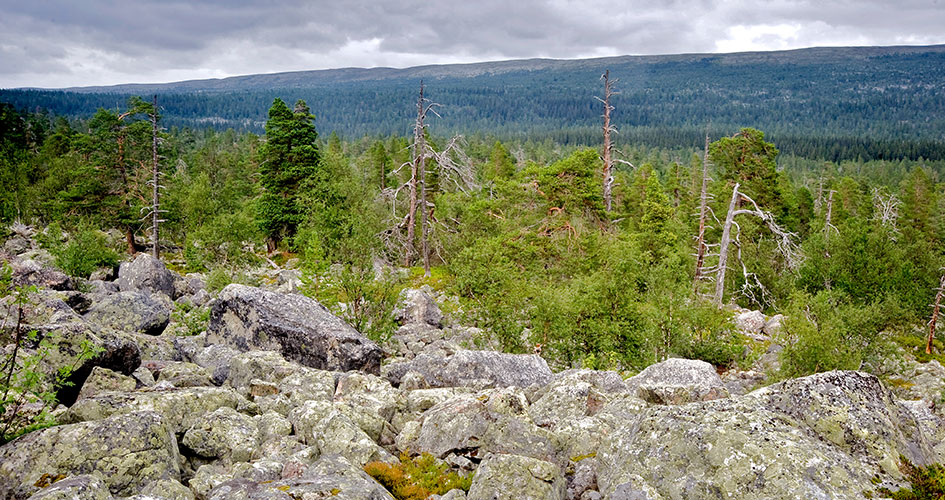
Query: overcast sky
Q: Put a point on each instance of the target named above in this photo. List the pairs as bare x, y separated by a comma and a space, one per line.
60, 43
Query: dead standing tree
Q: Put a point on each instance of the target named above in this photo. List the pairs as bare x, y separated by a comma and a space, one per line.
453, 167
704, 211
936, 307
155, 181
607, 153
785, 241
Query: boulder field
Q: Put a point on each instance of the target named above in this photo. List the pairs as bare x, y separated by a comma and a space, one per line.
280, 399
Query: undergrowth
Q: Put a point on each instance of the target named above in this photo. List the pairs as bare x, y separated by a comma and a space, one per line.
417, 478
927, 482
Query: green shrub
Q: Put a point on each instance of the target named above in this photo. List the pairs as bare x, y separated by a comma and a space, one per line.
928, 482
367, 303
84, 253
218, 279
417, 478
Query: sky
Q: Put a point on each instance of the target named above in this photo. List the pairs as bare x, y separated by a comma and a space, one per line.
64, 43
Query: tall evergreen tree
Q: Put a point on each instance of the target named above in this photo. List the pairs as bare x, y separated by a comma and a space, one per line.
288, 159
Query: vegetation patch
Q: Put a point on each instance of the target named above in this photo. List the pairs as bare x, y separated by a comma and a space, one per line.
417, 478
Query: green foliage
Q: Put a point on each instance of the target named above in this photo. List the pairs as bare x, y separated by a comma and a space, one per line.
218, 279
417, 478
927, 482
26, 395
828, 331
354, 293
194, 319
85, 252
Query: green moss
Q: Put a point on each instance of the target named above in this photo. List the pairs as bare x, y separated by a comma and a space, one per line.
439, 278
915, 345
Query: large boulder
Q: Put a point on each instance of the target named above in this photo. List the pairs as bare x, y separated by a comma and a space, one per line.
81, 487
678, 381
332, 476
512, 477
146, 274
475, 369
104, 380
300, 328
831, 435
417, 306
750, 322
128, 451
130, 312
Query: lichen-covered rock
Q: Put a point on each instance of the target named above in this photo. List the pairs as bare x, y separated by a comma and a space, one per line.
163, 489
750, 322
246, 489
128, 451
223, 434
82, 487
27, 272
130, 312
369, 393
105, 380
183, 374
146, 274
417, 306
480, 369
294, 382
300, 328
678, 381
512, 477
456, 425
855, 413
336, 477
216, 359
763, 445
773, 326
180, 407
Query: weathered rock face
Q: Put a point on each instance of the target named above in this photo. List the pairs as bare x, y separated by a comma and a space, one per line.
182, 374
224, 434
332, 476
751, 322
105, 380
512, 477
678, 381
130, 312
180, 407
475, 369
417, 306
762, 445
301, 329
146, 274
127, 450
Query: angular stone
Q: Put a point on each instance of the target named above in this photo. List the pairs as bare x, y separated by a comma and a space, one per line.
105, 380
678, 381
184, 375
334, 476
512, 477
223, 434
130, 312
417, 306
476, 369
301, 329
128, 451
146, 274
751, 322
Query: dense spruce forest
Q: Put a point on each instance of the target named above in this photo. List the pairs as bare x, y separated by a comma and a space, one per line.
512, 222
822, 103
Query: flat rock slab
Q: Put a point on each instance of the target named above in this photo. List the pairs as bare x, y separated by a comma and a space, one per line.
299, 328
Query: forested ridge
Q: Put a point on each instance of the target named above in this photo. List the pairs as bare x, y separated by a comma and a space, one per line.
828, 103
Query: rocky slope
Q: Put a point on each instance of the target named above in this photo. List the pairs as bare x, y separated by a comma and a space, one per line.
278, 399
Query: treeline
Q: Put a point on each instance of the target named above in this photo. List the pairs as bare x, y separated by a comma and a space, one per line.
519, 232
883, 107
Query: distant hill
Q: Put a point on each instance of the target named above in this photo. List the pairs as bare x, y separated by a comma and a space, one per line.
870, 102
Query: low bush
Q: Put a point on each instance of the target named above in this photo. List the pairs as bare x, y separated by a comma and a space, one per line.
417, 478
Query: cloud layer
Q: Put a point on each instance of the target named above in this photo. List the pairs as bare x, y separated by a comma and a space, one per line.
58, 43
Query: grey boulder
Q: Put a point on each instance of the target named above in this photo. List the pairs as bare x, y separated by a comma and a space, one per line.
678, 381
300, 328
148, 275
130, 312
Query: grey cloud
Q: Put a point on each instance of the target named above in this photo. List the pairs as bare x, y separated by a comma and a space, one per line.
138, 39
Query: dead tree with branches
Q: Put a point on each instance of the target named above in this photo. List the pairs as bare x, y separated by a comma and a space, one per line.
785, 241
704, 211
936, 307
453, 167
607, 153
155, 182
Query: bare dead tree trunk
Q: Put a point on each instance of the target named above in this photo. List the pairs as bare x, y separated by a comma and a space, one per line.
607, 155
703, 209
723, 247
785, 240
424, 229
155, 198
935, 310
418, 155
